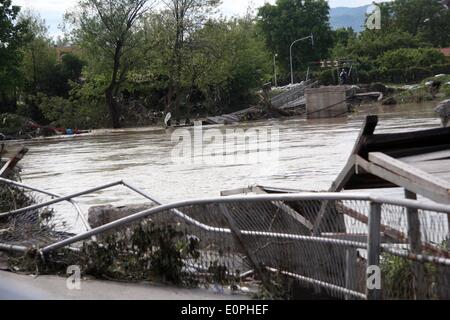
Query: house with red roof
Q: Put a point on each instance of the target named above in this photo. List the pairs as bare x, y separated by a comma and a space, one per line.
445, 51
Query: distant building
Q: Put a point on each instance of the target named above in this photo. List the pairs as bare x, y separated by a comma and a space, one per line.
445, 51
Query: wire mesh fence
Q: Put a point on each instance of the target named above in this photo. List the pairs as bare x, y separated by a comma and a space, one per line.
295, 246
415, 262
35, 227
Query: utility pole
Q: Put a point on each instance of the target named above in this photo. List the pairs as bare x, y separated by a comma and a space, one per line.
290, 52
275, 69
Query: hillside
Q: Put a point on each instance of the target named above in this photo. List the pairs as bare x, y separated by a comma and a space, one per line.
343, 17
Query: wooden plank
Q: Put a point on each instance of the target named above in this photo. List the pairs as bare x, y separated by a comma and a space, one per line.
10, 165
392, 234
401, 151
443, 197
413, 174
237, 235
445, 154
368, 129
389, 233
435, 167
280, 190
345, 175
439, 137
294, 214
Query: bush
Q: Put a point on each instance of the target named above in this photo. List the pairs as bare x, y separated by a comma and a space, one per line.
59, 111
327, 77
406, 58
11, 124
145, 252
84, 109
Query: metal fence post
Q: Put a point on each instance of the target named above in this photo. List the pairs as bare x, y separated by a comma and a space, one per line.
415, 243
374, 247
351, 256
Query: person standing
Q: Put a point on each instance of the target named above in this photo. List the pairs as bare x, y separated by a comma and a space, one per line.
343, 77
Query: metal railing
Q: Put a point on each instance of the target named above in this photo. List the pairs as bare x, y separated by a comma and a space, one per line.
292, 94
359, 231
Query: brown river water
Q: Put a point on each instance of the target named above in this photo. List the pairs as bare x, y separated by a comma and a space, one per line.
311, 155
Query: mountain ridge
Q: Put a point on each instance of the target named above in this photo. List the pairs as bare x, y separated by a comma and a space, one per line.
345, 17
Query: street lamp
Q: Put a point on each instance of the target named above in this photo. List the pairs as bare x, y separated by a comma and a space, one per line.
275, 68
290, 51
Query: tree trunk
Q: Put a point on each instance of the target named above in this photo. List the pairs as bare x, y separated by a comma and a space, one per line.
112, 106
113, 88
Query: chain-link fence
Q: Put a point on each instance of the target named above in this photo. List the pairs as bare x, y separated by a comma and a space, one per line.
290, 246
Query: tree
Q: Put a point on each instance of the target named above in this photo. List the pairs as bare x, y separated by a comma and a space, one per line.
289, 20
11, 38
232, 64
110, 33
186, 16
405, 58
342, 37
427, 19
39, 55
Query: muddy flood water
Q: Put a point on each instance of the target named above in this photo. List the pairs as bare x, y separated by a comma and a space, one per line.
311, 155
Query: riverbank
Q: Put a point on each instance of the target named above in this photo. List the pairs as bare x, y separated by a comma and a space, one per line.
431, 89
15, 127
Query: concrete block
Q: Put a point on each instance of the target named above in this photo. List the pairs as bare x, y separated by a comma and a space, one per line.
101, 215
326, 102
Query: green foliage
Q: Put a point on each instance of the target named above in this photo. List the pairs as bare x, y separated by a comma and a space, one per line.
407, 58
426, 19
59, 111
372, 44
11, 38
110, 33
289, 20
399, 280
184, 59
223, 63
234, 66
84, 109
11, 123
404, 49
146, 252
327, 77
342, 38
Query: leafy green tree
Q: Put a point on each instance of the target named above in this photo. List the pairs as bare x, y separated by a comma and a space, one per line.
11, 38
407, 58
373, 45
110, 32
224, 63
342, 37
427, 19
289, 20
232, 64
184, 17
39, 55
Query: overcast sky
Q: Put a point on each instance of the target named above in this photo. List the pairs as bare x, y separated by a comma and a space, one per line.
52, 10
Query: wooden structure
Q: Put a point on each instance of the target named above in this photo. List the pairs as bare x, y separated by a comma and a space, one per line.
417, 161
10, 159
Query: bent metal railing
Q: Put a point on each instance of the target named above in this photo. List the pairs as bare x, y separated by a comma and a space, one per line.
367, 247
